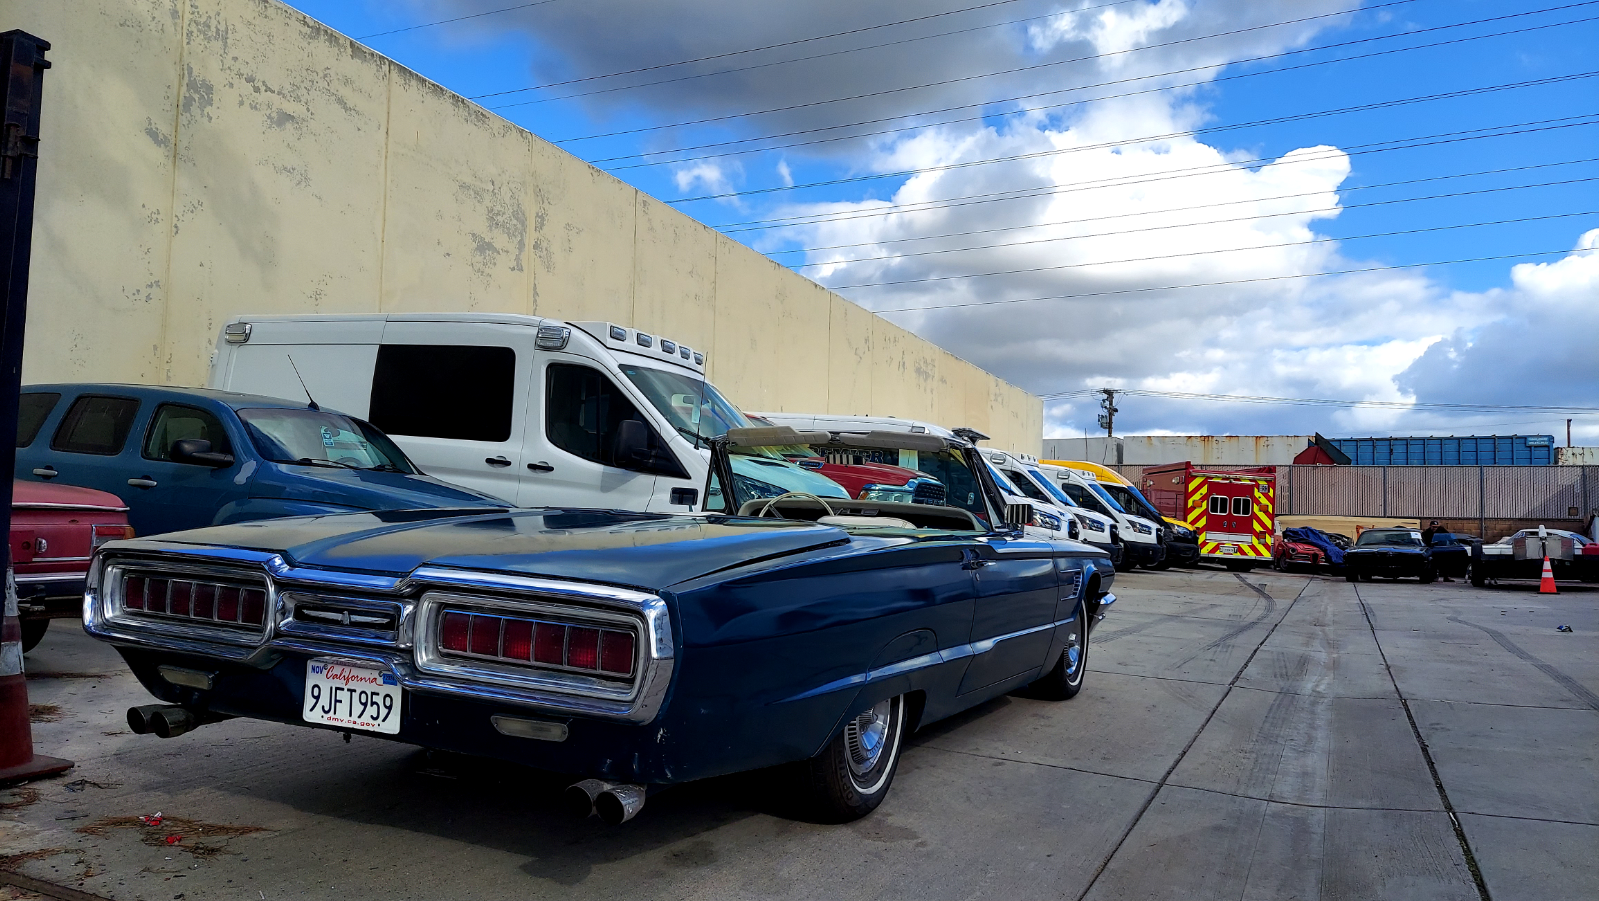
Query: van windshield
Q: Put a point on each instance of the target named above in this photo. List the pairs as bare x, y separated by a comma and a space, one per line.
317, 438
692, 405
1051, 488
1105, 496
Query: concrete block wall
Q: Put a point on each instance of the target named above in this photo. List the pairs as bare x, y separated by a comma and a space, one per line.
207, 158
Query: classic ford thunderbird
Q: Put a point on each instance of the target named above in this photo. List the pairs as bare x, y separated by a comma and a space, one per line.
631, 650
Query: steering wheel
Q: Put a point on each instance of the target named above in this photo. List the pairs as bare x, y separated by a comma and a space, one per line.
790, 494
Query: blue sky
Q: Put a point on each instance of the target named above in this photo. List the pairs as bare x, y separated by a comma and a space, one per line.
1444, 334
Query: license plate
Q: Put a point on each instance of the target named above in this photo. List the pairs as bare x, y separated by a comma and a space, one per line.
1229, 549
351, 695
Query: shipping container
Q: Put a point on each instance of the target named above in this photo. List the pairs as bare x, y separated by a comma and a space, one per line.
1494, 450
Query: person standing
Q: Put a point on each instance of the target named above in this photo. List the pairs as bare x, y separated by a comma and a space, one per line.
1426, 540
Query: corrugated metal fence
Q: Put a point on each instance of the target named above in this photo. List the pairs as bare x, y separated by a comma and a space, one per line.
1433, 492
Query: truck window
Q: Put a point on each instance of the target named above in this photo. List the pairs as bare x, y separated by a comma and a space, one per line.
173, 423
1241, 506
95, 425
460, 392
1085, 498
583, 411
1026, 487
31, 412
1218, 504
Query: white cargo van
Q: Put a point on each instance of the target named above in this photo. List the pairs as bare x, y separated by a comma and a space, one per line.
1145, 541
1049, 520
1021, 470
536, 411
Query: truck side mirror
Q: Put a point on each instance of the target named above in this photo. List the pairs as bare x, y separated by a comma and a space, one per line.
197, 452
1018, 516
632, 447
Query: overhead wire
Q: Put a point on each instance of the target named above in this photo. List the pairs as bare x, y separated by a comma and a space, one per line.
1200, 253
492, 12
1031, 110
1326, 402
924, 308
1203, 206
1410, 143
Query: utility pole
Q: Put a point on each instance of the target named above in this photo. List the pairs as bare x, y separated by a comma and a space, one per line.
1108, 410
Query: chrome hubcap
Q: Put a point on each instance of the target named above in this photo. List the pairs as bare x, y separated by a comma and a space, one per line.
866, 735
1074, 655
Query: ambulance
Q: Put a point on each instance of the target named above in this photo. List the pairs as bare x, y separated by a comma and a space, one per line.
1229, 510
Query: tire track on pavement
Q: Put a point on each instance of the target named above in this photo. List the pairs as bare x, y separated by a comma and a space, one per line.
1560, 678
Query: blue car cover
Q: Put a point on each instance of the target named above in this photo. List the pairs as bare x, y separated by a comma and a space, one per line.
1316, 538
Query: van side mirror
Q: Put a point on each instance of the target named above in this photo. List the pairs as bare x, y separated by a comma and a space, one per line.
632, 449
1018, 516
197, 452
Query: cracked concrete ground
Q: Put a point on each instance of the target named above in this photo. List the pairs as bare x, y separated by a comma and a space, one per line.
1269, 736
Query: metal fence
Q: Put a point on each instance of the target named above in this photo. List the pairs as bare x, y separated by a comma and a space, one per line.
1433, 492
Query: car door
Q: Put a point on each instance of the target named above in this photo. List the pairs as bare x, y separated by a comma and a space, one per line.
169, 495
573, 426
89, 444
1013, 623
453, 396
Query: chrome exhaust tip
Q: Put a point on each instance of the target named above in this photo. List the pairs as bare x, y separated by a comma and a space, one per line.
578, 799
163, 720
619, 803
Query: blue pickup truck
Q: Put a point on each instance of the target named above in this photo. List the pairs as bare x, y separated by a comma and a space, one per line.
183, 458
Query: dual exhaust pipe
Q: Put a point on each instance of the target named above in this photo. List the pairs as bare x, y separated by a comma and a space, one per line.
168, 720
616, 803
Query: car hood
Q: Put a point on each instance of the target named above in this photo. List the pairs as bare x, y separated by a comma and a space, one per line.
375, 490
786, 476
642, 550
1382, 549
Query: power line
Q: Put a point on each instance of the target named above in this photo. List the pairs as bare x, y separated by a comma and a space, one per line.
1201, 253
824, 37
1324, 402
492, 12
1152, 228
1035, 109
923, 85
1410, 143
1204, 206
1217, 284
1061, 151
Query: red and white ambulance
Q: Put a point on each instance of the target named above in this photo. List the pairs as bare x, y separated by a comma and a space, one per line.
1230, 510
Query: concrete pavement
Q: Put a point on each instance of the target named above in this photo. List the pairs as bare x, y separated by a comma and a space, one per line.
1265, 736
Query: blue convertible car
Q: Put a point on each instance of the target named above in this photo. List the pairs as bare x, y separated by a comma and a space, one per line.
630, 650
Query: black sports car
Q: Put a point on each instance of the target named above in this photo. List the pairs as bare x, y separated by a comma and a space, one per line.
1451, 554
1394, 553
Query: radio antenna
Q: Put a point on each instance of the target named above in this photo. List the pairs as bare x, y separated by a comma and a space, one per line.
302, 384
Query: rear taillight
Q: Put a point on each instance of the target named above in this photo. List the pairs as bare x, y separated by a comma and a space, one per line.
100, 534
199, 600
593, 649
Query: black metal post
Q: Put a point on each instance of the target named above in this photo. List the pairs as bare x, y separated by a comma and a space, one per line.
21, 94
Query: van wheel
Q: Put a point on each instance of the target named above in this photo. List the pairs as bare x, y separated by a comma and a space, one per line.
32, 633
1065, 680
851, 776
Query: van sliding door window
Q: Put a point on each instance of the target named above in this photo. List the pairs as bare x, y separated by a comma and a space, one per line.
459, 392
583, 413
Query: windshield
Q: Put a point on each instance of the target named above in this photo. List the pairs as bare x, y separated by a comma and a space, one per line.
1388, 538
1130, 500
855, 486
1051, 489
689, 403
1027, 488
317, 438
1104, 495
1086, 498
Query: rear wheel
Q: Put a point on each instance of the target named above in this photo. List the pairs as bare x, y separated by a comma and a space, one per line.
1351, 576
32, 633
1477, 581
1065, 680
851, 776
1429, 575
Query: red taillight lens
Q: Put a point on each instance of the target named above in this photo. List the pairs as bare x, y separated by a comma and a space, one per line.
227, 604
453, 631
178, 600
252, 602
549, 644
518, 641
486, 635
616, 653
583, 648
133, 593
99, 534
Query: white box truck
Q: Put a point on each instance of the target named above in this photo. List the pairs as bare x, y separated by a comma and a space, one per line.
539, 412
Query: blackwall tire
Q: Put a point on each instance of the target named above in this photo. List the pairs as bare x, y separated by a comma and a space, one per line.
32, 633
1065, 679
852, 775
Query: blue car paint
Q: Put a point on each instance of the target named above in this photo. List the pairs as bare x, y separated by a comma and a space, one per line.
781, 629
189, 496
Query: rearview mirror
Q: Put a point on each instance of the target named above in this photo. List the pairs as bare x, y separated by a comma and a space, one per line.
197, 452
1018, 516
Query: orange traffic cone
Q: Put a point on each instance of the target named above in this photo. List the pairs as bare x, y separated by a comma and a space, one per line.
1546, 585
17, 760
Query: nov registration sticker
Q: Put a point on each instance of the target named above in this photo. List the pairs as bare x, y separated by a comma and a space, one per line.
338, 693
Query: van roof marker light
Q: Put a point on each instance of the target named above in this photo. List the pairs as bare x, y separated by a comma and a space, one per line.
683, 351
618, 333
645, 340
699, 359
553, 337
236, 332
668, 347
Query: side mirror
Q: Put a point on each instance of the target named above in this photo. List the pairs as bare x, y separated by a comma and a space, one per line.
1018, 516
197, 452
633, 445
1073, 530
